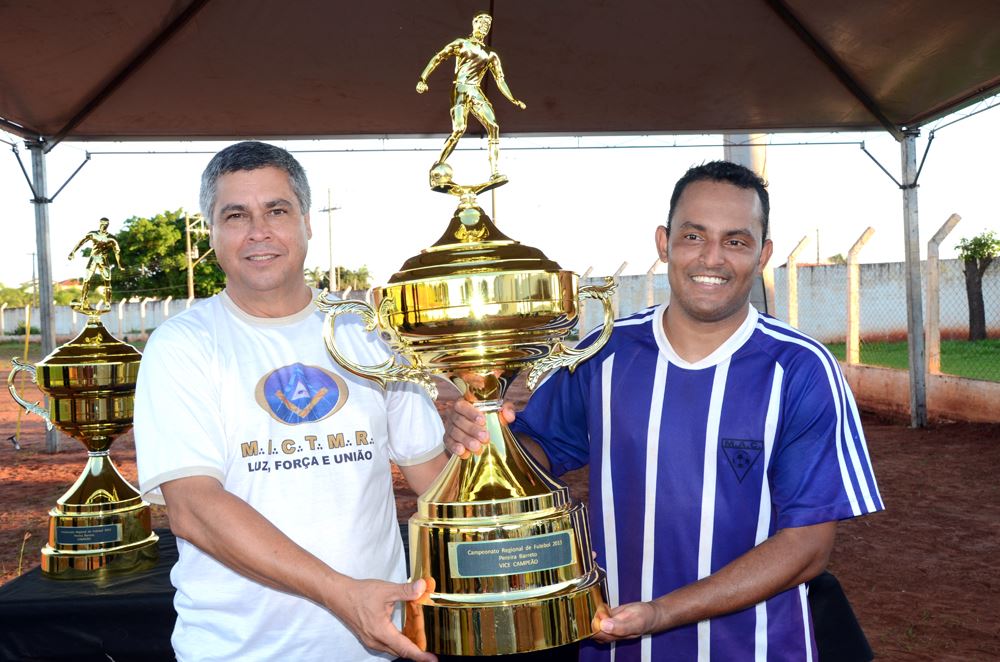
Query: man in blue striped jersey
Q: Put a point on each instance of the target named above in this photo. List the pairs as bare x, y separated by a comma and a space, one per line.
723, 446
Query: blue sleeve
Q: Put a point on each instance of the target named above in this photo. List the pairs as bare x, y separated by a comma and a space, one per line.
821, 470
556, 415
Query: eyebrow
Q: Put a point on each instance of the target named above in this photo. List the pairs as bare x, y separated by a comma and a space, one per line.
742, 232
270, 204
231, 207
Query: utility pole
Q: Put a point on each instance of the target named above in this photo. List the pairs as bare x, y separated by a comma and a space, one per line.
197, 222
332, 280
34, 281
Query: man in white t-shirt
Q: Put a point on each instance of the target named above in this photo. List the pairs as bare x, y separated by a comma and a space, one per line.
273, 461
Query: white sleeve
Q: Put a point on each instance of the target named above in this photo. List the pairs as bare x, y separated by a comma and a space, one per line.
416, 433
178, 427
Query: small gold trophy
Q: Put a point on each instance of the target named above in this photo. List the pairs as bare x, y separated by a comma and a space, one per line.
505, 552
100, 525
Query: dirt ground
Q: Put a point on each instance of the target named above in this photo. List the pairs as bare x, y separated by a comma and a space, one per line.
923, 576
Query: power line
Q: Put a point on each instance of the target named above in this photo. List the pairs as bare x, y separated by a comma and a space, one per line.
510, 148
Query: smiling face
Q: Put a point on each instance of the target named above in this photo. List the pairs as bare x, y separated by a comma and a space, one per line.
715, 250
260, 237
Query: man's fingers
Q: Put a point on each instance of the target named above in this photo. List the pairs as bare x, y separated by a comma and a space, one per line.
466, 429
507, 411
400, 644
469, 412
414, 590
609, 630
472, 428
624, 622
460, 442
402, 647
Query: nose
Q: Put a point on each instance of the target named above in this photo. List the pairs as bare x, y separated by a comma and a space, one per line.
260, 229
711, 254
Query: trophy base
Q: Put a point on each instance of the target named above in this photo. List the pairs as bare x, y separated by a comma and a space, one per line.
100, 527
89, 565
441, 181
505, 553
508, 627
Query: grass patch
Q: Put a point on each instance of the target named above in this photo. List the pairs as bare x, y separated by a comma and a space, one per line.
978, 359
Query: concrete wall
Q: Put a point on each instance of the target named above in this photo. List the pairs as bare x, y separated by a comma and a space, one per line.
887, 391
127, 320
634, 293
823, 300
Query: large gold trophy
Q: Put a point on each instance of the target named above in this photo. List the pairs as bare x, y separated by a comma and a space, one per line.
100, 525
505, 552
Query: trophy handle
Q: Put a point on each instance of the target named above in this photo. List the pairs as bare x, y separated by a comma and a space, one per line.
562, 355
391, 370
17, 366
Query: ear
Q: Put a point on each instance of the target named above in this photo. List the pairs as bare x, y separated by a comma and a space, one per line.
765, 255
662, 242
309, 230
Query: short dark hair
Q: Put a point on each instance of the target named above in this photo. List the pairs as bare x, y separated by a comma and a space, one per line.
251, 155
730, 173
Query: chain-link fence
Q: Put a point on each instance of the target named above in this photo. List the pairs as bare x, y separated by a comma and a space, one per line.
875, 332
970, 334
815, 298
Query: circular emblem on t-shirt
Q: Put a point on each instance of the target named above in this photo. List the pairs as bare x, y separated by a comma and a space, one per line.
299, 393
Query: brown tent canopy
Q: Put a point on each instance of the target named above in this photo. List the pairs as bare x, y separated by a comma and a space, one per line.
122, 69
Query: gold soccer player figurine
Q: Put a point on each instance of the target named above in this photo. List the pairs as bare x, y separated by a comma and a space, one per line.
473, 58
103, 245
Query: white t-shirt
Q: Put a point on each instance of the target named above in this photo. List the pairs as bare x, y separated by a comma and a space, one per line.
259, 404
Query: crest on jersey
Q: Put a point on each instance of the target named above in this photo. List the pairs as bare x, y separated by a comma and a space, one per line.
742, 454
299, 393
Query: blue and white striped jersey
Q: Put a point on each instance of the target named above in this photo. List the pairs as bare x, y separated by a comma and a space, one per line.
693, 464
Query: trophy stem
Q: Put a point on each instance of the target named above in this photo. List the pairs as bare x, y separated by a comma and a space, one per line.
100, 488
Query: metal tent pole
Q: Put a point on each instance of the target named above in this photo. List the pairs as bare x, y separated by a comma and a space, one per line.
914, 306
46, 302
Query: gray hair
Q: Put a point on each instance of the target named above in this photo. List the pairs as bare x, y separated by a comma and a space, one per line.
251, 155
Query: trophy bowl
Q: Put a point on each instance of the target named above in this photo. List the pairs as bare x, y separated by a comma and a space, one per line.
100, 525
504, 550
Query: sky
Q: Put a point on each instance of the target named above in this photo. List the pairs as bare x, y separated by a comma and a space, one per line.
587, 202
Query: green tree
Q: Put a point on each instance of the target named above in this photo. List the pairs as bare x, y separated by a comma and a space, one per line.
977, 254
154, 260
64, 296
17, 296
316, 277
358, 279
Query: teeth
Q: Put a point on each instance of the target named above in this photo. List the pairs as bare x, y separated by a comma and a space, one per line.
710, 280
260, 258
